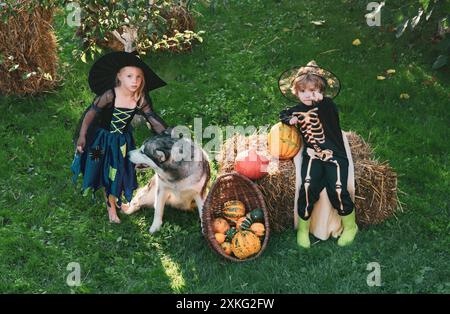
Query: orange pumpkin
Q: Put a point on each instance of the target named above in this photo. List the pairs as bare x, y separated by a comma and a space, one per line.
284, 141
233, 210
220, 225
258, 229
245, 244
226, 246
220, 238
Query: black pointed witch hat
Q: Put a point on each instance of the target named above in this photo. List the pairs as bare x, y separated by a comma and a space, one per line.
102, 75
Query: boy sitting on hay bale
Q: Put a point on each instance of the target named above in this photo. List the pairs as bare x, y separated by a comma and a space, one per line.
325, 163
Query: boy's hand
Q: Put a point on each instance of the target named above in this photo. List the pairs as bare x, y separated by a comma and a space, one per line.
294, 120
80, 144
317, 96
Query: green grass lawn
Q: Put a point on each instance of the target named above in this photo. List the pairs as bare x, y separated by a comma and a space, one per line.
232, 79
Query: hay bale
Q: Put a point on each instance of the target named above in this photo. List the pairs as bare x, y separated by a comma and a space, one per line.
376, 192
28, 49
359, 148
375, 183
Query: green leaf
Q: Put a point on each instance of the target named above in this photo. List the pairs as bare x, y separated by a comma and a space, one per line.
83, 57
444, 45
425, 4
441, 61
1, 58
151, 28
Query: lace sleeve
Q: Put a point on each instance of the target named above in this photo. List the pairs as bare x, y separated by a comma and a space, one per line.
158, 124
103, 100
98, 104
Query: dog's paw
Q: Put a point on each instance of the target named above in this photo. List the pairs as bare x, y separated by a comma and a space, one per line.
154, 228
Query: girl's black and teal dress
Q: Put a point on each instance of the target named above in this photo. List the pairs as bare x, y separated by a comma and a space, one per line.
109, 137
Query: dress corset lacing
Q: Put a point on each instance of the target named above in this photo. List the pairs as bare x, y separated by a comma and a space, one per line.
120, 119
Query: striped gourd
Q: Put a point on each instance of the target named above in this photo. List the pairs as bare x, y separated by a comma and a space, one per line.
233, 210
246, 223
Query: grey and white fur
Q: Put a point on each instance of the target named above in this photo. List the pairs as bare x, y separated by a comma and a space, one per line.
182, 173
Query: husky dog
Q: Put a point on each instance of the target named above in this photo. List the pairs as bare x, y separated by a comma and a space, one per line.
182, 173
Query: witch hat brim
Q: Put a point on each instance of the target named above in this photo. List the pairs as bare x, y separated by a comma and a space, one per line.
102, 75
286, 80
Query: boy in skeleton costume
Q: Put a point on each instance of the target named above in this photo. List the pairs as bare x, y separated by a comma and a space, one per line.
325, 164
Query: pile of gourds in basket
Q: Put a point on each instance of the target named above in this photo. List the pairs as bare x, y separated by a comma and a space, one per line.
235, 218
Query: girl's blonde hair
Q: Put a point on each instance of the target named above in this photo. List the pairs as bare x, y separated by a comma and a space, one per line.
138, 94
300, 83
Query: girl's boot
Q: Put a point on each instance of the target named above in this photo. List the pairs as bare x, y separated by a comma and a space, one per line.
350, 229
303, 233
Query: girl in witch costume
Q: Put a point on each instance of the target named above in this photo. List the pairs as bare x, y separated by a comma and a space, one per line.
325, 163
121, 81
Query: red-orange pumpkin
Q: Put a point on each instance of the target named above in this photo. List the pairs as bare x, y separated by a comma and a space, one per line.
251, 164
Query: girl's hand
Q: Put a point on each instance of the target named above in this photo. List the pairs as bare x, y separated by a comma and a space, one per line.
294, 120
80, 144
317, 96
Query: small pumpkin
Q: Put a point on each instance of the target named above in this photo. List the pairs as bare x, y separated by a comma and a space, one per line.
258, 229
233, 210
230, 234
245, 244
220, 237
220, 225
284, 141
226, 246
257, 215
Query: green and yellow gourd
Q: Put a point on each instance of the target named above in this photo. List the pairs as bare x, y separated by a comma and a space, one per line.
233, 210
230, 234
256, 215
245, 244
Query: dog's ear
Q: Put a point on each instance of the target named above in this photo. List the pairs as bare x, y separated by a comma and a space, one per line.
160, 155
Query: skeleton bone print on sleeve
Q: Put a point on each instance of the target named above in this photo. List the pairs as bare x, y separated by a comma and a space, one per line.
311, 127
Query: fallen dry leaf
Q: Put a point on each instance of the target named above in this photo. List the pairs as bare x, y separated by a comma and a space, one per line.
356, 42
404, 96
318, 23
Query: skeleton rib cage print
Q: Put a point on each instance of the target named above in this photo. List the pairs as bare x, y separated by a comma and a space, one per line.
311, 127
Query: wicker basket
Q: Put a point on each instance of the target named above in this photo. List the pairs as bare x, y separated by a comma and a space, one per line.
232, 186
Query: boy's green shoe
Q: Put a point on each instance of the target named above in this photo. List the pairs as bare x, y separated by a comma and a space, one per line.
350, 229
303, 234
